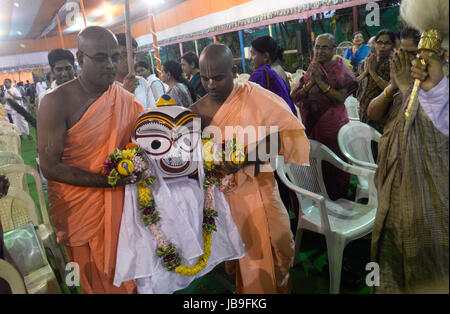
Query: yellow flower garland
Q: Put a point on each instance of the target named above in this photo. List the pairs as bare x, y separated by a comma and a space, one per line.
202, 260
145, 197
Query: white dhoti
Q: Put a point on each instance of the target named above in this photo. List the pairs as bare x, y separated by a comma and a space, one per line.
18, 119
180, 205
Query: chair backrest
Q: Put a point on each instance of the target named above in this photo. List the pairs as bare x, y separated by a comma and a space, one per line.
295, 78
342, 47
9, 141
243, 77
352, 106
16, 175
17, 209
309, 177
355, 141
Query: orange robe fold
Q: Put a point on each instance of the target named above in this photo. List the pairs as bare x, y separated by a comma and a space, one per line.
87, 220
255, 203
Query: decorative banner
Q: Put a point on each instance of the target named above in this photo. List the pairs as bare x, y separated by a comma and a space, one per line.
69, 14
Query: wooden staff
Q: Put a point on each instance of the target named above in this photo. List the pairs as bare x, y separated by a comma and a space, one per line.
128, 36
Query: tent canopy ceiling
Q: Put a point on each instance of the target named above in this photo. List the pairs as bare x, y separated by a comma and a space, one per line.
28, 28
24, 20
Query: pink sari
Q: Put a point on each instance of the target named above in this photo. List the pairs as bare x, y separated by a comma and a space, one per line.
323, 117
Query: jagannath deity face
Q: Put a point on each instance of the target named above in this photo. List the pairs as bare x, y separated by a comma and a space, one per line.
170, 135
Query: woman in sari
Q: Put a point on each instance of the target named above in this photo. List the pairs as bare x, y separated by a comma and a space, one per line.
358, 52
179, 87
374, 76
263, 52
320, 95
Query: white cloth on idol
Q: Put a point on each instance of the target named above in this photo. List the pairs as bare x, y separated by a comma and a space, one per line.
180, 204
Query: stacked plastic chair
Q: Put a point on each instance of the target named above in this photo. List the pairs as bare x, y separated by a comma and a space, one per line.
355, 142
340, 221
24, 227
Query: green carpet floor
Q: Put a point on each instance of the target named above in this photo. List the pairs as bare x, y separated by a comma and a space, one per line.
308, 276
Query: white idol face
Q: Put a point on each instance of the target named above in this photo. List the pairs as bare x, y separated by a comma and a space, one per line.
170, 135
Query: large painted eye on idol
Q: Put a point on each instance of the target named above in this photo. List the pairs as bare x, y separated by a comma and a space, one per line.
155, 145
188, 142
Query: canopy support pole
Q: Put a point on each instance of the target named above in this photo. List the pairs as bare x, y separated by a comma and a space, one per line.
241, 42
155, 40
83, 12
60, 31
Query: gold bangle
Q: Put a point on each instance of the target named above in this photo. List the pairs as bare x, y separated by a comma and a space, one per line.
327, 90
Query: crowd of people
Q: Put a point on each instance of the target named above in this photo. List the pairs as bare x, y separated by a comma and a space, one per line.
85, 116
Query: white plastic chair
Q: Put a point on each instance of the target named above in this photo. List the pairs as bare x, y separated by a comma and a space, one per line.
352, 106
355, 142
9, 141
16, 175
10, 158
8, 126
340, 221
42, 279
342, 47
12, 277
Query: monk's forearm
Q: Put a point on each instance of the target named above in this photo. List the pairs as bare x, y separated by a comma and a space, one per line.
74, 176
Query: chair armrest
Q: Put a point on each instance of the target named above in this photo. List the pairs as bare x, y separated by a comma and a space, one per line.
333, 159
362, 172
360, 163
12, 277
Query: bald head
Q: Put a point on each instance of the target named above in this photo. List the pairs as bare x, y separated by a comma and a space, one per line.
218, 54
93, 34
98, 55
216, 71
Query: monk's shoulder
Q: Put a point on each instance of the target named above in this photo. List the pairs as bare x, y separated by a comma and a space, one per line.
62, 98
202, 102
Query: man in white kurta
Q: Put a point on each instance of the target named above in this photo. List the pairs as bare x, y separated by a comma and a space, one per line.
17, 119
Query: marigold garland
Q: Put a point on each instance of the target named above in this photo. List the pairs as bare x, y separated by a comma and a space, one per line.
132, 161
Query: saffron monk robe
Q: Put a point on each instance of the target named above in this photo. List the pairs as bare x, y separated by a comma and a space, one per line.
255, 203
80, 123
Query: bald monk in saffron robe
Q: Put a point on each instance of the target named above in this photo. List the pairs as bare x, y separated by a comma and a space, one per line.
80, 123
255, 203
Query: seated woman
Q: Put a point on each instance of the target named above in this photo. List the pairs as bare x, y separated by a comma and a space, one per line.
358, 52
179, 87
264, 51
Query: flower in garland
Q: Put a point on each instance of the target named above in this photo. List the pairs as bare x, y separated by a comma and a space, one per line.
139, 164
128, 154
133, 157
108, 166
